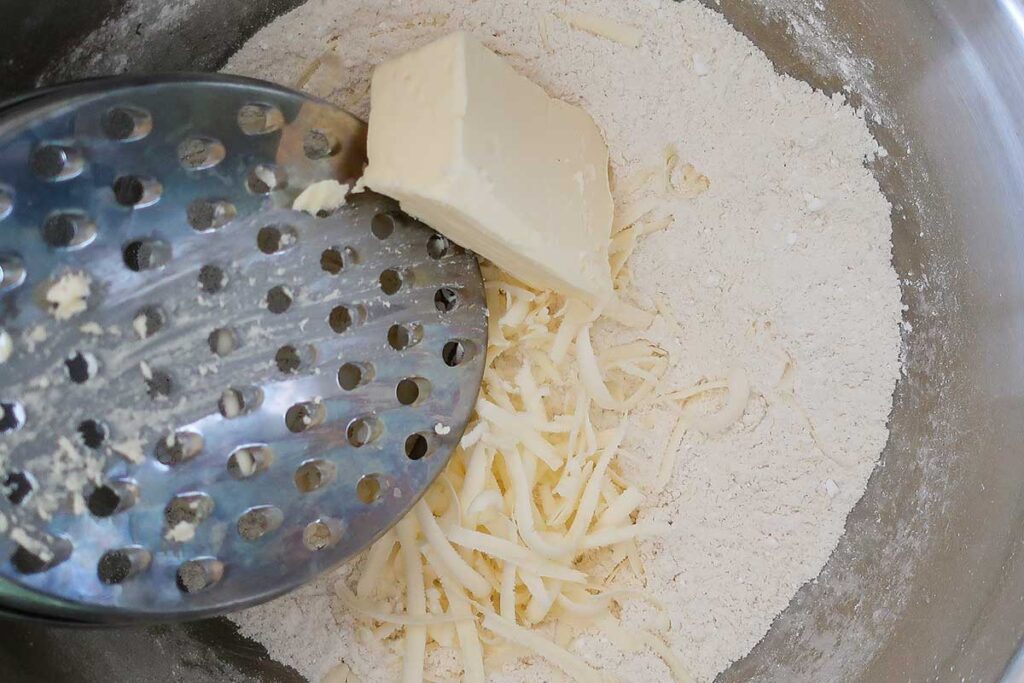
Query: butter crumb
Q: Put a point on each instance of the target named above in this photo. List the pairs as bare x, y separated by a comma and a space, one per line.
6, 346
67, 297
325, 195
689, 182
603, 27
130, 450
182, 532
37, 335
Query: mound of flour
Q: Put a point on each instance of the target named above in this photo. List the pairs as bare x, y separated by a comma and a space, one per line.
781, 269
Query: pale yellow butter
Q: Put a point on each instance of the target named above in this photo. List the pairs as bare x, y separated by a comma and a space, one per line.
486, 157
325, 195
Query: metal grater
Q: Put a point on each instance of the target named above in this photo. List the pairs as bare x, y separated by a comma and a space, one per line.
248, 395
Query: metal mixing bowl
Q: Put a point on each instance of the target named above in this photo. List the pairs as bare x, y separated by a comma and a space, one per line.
928, 581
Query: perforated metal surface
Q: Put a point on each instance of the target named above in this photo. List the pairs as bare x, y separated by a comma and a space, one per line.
249, 394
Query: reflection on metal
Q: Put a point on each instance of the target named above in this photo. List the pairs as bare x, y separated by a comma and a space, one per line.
208, 340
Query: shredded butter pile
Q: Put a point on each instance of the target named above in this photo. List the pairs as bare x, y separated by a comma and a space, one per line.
494, 548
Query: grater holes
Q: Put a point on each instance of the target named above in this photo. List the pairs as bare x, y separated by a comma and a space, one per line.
287, 359
259, 119
235, 402
248, 461
200, 153
117, 566
126, 124
332, 261
81, 367
445, 300
18, 486
12, 416
438, 246
383, 225
112, 497
319, 144
222, 341
322, 533
274, 239
12, 272
188, 508
25, 561
148, 254
341, 318
178, 447
128, 190
136, 192
114, 567
391, 281
148, 321
6, 202
418, 446
257, 522
412, 391
404, 336
265, 178
159, 384
354, 375
304, 416
369, 488
92, 433
199, 574
363, 430
314, 474
205, 215
457, 351
56, 162
279, 299
67, 230
290, 359
212, 279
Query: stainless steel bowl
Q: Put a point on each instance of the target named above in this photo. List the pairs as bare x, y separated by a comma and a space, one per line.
928, 582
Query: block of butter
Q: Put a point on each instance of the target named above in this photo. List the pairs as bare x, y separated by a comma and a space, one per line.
486, 157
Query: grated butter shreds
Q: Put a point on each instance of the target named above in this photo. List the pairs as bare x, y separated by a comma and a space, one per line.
603, 27
494, 547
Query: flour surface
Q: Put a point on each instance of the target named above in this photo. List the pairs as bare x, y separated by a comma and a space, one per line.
777, 264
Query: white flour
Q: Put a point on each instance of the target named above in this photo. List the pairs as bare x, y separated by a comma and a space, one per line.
781, 268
